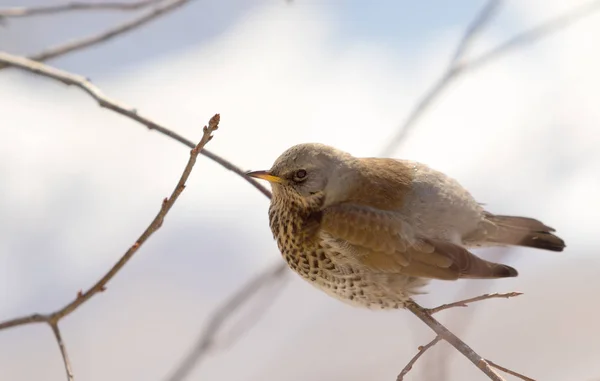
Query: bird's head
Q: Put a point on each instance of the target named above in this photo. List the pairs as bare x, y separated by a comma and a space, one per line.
309, 169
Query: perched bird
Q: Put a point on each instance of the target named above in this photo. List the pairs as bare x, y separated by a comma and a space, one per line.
372, 231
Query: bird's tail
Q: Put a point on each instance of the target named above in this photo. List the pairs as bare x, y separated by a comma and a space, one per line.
523, 231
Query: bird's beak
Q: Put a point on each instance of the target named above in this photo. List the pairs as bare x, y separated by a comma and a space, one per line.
265, 175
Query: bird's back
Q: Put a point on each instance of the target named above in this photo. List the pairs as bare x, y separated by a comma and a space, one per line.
432, 203
437, 206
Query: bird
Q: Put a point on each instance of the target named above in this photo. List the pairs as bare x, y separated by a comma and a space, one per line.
373, 232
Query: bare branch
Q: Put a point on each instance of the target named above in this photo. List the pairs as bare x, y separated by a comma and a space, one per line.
456, 68
63, 350
156, 223
236, 300
481, 19
484, 365
465, 302
421, 351
113, 105
35, 318
53, 318
76, 6
263, 300
535, 34
457, 343
206, 339
511, 372
478, 23
161, 9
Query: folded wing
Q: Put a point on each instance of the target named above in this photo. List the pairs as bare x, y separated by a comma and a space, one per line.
381, 241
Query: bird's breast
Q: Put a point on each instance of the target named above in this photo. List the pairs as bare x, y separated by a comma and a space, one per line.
302, 249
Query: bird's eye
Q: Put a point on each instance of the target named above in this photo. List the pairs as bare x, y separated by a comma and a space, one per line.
300, 175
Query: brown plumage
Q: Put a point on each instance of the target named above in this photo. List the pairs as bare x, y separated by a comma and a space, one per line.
372, 231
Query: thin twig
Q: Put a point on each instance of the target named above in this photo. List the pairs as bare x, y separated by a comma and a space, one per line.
271, 288
86, 42
511, 372
457, 68
156, 223
206, 339
465, 302
63, 350
478, 23
421, 351
113, 105
549, 27
76, 6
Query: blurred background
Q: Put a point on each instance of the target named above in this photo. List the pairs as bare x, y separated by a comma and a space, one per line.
78, 184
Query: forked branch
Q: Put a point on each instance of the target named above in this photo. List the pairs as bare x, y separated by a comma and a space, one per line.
453, 340
424, 314
457, 66
53, 318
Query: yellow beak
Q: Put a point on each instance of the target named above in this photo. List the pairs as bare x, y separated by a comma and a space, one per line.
265, 175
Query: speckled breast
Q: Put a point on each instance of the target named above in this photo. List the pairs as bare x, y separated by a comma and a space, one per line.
319, 263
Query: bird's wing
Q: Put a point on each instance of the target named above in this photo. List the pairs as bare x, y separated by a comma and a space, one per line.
380, 240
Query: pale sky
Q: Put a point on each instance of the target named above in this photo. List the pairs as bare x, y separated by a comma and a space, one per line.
80, 183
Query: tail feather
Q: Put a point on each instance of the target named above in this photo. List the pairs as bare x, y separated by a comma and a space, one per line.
523, 231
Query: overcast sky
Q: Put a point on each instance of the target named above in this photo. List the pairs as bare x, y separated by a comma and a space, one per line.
80, 183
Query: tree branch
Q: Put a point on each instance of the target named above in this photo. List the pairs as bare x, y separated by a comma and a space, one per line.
484, 16
465, 302
53, 52
478, 23
113, 105
206, 339
421, 350
424, 314
63, 350
75, 6
53, 318
455, 68
236, 300
457, 343
532, 35
34, 318
511, 372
